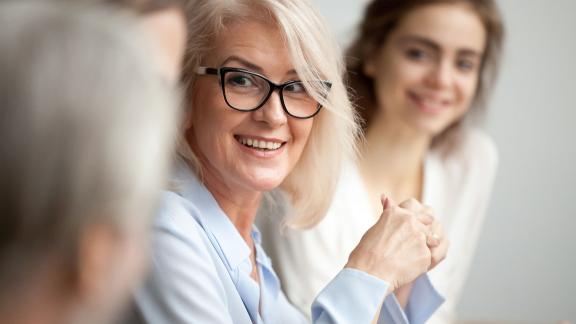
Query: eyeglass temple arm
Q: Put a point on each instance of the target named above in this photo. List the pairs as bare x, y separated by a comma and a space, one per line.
206, 70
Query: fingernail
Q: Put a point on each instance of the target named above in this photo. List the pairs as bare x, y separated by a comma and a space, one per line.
384, 200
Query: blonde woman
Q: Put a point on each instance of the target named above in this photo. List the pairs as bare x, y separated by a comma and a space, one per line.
419, 70
86, 128
268, 115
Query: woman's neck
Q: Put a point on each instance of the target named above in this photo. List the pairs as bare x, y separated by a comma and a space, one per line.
239, 204
392, 158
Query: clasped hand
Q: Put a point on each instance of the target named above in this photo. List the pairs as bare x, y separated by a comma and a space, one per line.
406, 241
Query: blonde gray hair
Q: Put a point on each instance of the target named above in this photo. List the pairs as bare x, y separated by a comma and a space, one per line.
315, 55
86, 127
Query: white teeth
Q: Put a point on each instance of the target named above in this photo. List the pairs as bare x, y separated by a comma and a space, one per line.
260, 144
431, 102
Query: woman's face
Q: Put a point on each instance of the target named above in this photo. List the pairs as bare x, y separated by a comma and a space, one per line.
426, 73
167, 31
217, 131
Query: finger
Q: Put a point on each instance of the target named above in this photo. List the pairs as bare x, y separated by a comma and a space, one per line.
385, 201
435, 234
439, 253
387, 207
426, 209
425, 219
411, 204
433, 240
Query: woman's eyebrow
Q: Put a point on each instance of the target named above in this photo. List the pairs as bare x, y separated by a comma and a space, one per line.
470, 52
249, 65
421, 41
426, 42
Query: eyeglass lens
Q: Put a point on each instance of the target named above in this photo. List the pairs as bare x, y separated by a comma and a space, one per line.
246, 91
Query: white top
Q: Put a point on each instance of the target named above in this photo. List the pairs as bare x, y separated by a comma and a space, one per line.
456, 185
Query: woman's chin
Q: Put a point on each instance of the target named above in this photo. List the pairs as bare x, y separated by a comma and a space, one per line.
265, 184
265, 180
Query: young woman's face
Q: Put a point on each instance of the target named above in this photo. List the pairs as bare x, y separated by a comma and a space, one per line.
426, 73
226, 140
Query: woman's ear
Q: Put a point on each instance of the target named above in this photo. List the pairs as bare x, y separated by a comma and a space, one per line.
368, 67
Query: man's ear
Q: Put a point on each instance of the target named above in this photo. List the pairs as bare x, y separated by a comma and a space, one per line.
94, 261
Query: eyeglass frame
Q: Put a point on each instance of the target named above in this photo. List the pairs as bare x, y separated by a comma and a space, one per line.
221, 72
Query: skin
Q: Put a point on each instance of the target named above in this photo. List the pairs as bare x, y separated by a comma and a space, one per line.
426, 73
167, 31
426, 76
234, 173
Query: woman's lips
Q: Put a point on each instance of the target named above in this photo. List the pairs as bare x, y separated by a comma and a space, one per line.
428, 104
259, 146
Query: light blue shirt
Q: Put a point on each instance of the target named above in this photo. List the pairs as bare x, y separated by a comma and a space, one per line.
201, 269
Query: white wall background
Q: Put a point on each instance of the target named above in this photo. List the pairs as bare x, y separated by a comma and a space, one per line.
525, 267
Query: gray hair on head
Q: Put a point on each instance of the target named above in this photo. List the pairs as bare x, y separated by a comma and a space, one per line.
86, 129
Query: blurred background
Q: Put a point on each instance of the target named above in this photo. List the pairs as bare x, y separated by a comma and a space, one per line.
524, 270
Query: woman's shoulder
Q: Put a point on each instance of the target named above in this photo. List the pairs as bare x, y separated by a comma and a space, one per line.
184, 266
176, 211
472, 148
178, 223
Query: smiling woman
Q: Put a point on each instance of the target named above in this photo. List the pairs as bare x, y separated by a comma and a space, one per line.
302, 43
267, 110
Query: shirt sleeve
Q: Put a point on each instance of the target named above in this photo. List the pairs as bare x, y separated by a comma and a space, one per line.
182, 286
424, 301
353, 296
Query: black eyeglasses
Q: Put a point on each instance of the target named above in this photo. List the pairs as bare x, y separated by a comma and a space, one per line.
247, 91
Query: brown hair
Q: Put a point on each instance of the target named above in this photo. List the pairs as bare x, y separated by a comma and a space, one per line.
381, 18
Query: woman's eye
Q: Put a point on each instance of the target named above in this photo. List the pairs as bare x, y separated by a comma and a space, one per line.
416, 54
297, 87
466, 65
240, 81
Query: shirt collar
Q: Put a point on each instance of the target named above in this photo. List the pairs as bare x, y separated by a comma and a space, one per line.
211, 217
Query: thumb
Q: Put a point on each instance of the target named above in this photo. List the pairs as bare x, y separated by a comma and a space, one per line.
387, 202
384, 200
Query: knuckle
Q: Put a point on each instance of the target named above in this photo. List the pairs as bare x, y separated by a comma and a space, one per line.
421, 237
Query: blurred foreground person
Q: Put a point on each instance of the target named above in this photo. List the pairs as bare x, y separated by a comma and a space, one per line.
165, 24
86, 125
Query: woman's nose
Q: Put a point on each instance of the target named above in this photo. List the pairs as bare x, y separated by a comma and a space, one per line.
440, 75
272, 112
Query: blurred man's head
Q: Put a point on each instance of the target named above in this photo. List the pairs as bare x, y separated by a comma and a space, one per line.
164, 22
86, 130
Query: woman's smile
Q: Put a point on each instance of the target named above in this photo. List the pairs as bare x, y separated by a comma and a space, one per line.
431, 104
259, 146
